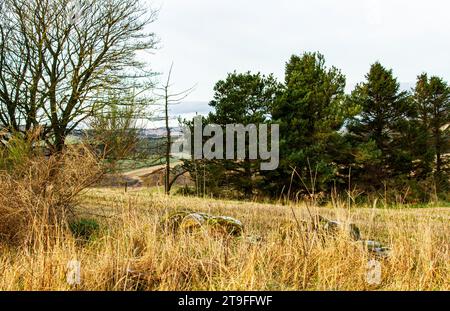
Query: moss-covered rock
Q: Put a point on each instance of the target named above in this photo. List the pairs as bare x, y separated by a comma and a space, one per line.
193, 221
226, 225
172, 221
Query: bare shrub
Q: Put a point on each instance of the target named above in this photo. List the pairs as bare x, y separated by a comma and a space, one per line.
39, 193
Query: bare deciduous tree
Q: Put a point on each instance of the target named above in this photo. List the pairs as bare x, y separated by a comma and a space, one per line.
115, 131
168, 99
57, 65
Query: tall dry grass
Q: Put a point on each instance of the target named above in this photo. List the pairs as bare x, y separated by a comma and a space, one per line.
132, 252
39, 192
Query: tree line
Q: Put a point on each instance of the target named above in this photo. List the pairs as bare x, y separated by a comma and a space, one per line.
379, 139
60, 68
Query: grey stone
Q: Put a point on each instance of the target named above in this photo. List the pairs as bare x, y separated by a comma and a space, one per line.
333, 226
193, 221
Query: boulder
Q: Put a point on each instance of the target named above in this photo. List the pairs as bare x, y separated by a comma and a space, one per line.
193, 221
376, 248
332, 226
226, 224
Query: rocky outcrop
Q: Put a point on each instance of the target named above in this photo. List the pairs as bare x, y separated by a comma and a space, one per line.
189, 221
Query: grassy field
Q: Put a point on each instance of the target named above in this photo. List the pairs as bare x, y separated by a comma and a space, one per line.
131, 251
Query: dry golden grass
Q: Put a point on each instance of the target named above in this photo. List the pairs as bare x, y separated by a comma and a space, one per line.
132, 252
38, 193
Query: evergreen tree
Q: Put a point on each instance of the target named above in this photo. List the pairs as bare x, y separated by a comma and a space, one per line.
379, 132
310, 112
432, 102
242, 98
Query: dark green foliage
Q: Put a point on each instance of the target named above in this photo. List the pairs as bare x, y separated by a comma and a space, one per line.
379, 141
381, 132
84, 229
209, 176
310, 112
432, 103
242, 98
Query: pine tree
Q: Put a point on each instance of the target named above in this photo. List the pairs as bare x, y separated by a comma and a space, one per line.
241, 98
432, 102
310, 112
378, 132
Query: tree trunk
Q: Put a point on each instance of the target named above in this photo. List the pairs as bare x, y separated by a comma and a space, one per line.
167, 185
59, 144
437, 147
248, 188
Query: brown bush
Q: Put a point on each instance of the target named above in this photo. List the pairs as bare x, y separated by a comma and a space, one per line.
38, 193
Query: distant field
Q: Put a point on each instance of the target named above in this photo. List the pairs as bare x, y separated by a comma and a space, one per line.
130, 165
132, 252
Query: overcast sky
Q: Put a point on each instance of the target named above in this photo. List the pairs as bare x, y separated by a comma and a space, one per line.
206, 39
